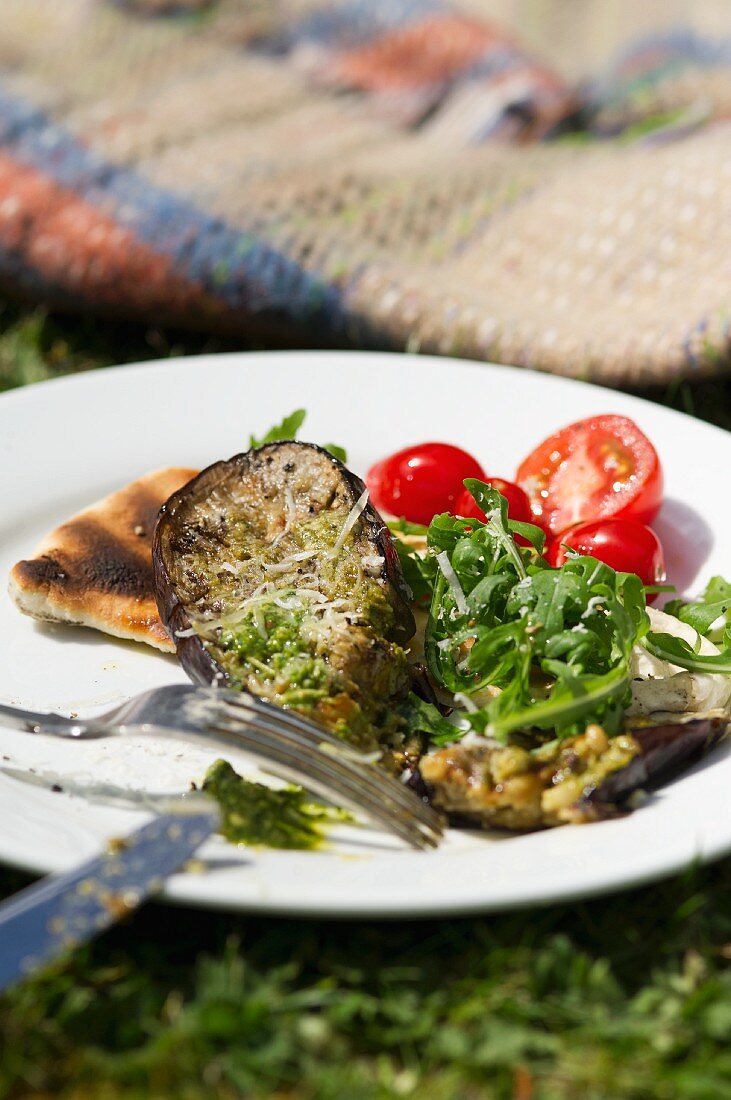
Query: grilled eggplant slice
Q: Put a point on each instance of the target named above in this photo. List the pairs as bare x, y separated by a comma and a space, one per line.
665, 750
274, 574
585, 778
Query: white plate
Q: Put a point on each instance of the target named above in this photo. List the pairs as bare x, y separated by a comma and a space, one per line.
65, 443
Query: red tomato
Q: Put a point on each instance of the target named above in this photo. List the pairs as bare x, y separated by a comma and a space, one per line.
421, 481
625, 544
600, 467
518, 503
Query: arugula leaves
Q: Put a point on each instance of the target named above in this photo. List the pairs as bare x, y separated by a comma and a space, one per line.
419, 571
423, 717
336, 451
288, 429
485, 496
555, 642
678, 652
701, 614
712, 607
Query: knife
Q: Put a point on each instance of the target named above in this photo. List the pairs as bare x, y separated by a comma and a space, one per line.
63, 911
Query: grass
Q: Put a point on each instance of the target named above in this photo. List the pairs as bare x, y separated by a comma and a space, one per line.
36, 345
628, 996
622, 997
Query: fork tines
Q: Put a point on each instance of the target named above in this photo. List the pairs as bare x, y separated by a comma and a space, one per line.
301, 752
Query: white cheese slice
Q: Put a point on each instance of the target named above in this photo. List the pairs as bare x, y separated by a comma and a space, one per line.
661, 686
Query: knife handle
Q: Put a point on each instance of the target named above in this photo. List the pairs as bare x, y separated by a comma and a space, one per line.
63, 911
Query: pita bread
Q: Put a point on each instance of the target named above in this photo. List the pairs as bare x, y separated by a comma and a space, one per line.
96, 569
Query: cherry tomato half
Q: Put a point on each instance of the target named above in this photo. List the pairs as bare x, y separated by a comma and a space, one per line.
421, 481
518, 503
625, 544
596, 468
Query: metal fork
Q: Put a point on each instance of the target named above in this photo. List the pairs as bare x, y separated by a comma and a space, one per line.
284, 743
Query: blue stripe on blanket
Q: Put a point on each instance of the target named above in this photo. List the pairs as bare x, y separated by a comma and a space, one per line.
232, 264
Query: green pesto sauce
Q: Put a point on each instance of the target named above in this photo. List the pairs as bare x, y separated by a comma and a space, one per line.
339, 577
273, 654
273, 646
271, 641
254, 814
343, 677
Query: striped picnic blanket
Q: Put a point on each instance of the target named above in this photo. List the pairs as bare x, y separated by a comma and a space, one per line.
406, 174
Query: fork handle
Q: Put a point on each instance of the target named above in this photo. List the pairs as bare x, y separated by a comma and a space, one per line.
33, 721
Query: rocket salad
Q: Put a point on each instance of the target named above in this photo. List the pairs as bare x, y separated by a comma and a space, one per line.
555, 642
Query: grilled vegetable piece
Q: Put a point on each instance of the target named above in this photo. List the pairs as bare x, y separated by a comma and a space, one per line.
584, 778
95, 569
664, 751
273, 573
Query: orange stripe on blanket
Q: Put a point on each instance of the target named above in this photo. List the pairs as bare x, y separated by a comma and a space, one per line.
425, 53
78, 248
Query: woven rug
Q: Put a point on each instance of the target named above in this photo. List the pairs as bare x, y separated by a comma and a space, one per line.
376, 173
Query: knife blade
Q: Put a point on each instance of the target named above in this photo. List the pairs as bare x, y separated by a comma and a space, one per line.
61, 912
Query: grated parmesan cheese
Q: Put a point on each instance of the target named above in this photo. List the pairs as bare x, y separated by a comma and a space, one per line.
258, 616
228, 567
286, 564
592, 604
291, 516
453, 581
465, 701
373, 564
352, 518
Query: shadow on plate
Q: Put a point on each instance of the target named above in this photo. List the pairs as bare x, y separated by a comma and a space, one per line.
213, 863
687, 540
87, 636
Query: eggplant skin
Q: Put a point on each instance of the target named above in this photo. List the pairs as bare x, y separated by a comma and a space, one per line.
665, 751
586, 778
267, 499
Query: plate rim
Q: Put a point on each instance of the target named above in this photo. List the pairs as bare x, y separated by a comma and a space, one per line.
90, 376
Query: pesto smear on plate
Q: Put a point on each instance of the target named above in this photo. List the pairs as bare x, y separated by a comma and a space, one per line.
255, 814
